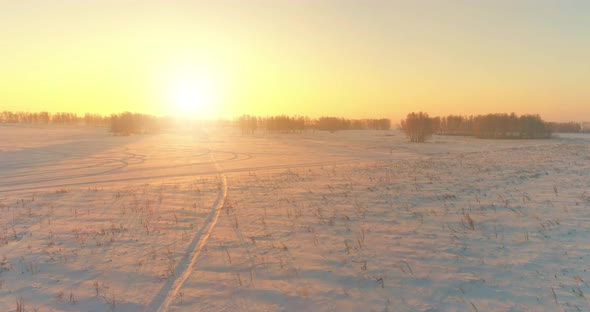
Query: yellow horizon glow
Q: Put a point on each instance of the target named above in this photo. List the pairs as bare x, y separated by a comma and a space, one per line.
204, 59
193, 93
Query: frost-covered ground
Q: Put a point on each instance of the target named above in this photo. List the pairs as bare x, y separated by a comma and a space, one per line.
350, 221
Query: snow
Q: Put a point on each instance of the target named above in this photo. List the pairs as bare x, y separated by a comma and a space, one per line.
213, 220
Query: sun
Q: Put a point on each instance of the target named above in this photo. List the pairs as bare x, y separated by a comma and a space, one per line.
193, 96
189, 99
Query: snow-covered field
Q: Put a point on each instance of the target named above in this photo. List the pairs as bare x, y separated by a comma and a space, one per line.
349, 221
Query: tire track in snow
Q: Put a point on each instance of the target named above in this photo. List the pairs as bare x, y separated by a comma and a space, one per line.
184, 268
124, 163
30, 186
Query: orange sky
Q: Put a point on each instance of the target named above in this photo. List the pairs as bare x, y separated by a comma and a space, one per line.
346, 58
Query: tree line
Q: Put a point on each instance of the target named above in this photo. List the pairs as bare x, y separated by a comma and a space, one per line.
60, 118
285, 124
419, 126
118, 124
566, 127
133, 123
276, 124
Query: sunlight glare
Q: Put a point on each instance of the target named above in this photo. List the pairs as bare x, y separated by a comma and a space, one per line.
193, 97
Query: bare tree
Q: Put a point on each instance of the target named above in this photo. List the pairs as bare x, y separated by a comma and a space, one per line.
417, 127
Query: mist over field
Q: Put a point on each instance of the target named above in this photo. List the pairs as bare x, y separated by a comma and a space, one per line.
359, 220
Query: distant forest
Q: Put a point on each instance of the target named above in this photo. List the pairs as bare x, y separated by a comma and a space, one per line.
418, 126
286, 124
119, 124
133, 123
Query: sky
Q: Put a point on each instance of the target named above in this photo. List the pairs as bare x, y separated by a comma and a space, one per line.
354, 59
